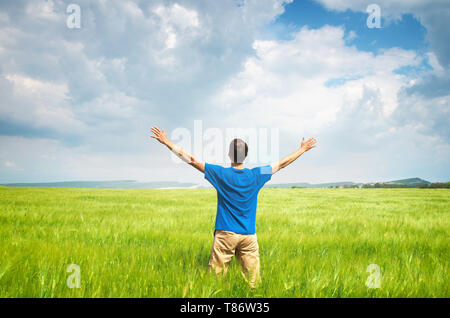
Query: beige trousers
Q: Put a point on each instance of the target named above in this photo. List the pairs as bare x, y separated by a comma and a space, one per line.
245, 247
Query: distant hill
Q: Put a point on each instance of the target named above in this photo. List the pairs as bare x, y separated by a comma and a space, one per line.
119, 184
410, 182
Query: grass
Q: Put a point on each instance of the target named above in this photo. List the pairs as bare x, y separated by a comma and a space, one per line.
156, 243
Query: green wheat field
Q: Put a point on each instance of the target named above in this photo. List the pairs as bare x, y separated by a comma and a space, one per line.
156, 243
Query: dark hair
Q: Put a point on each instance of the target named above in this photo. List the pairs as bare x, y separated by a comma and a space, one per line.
238, 150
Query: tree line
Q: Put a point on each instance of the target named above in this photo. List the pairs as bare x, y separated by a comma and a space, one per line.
436, 185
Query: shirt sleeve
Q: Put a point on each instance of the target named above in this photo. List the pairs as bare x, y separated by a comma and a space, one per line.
264, 174
212, 174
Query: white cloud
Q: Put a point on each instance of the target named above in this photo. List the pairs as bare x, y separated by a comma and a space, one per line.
353, 101
129, 65
44, 160
177, 22
178, 16
351, 36
434, 63
285, 84
434, 15
37, 103
42, 10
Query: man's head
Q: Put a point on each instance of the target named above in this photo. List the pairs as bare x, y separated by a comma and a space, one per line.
238, 150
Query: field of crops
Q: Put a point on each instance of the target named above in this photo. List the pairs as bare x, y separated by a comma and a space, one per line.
156, 243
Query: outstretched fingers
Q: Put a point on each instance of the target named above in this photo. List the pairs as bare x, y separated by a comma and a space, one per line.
160, 134
310, 143
155, 130
157, 133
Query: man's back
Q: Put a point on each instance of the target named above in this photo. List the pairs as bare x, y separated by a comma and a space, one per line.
237, 193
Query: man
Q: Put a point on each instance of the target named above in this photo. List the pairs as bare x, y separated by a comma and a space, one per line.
237, 192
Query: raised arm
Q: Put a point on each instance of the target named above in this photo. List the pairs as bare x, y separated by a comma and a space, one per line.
306, 145
160, 135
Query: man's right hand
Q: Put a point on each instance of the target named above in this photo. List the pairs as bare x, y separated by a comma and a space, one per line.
306, 145
160, 135
309, 144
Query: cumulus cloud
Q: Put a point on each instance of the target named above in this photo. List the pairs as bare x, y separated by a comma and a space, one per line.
434, 16
310, 79
130, 64
354, 101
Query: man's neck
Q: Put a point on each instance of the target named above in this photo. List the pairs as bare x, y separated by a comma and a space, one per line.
237, 165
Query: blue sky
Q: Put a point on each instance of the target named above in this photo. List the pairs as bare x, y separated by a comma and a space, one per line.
77, 104
406, 32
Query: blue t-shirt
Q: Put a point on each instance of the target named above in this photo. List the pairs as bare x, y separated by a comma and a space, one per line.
237, 193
